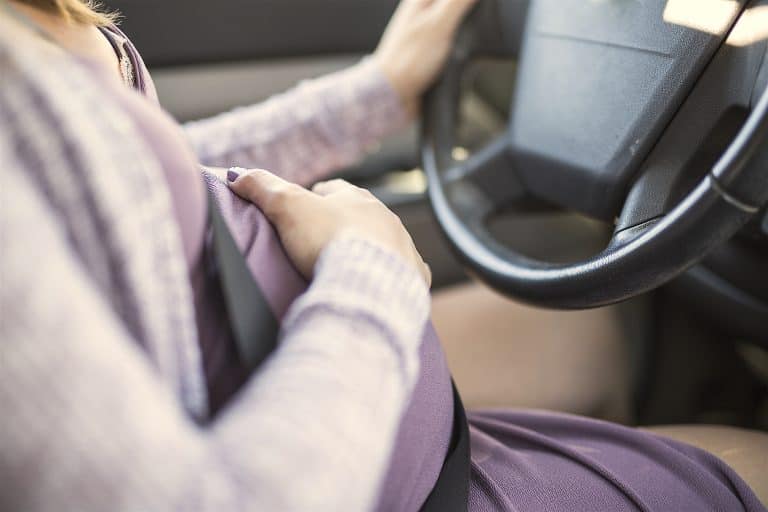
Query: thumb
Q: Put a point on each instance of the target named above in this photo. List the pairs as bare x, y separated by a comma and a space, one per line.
452, 12
267, 191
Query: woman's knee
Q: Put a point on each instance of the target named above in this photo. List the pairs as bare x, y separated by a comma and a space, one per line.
745, 451
504, 354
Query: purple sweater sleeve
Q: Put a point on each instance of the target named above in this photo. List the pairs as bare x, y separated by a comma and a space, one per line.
313, 430
94, 421
303, 135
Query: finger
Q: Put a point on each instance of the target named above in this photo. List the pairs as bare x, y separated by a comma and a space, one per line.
427, 273
414, 5
267, 191
339, 186
424, 269
325, 188
452, 12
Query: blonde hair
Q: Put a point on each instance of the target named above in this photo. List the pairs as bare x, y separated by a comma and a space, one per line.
84, 12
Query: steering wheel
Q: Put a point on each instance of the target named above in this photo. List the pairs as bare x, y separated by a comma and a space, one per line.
652, 115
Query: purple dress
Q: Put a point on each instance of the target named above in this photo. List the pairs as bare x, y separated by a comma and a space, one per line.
521, 460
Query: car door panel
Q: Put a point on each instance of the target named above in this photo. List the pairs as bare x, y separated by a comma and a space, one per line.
182, 32
201, 90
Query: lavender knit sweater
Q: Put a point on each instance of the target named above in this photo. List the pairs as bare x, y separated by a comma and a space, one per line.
101, 378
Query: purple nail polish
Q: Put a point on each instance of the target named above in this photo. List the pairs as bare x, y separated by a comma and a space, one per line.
232, 175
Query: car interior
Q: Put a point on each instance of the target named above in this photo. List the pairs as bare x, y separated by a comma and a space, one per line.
600, 167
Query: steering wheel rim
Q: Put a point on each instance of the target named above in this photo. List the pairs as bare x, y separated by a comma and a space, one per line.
636, 260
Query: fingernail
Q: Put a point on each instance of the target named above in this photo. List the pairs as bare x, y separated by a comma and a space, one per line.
232, 175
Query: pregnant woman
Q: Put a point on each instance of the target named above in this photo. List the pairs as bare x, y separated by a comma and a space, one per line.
121, 384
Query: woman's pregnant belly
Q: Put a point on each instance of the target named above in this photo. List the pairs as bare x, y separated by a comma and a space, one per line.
425, 431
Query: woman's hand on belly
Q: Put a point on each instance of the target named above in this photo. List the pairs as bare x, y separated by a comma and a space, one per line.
416, 43
307, 221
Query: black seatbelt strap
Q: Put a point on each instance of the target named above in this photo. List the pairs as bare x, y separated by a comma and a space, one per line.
255, 330
451, 492
253, 323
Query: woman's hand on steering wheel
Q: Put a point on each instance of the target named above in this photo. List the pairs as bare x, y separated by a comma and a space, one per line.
307, 221
416, 44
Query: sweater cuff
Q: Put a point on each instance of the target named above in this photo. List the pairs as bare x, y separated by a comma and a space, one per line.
361, 281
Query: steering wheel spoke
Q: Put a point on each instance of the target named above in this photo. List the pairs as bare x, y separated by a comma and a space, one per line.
491, 173
647, 202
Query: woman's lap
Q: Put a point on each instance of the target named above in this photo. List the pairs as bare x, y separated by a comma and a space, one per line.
535, 460
745, 451
504, 354
532, 460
